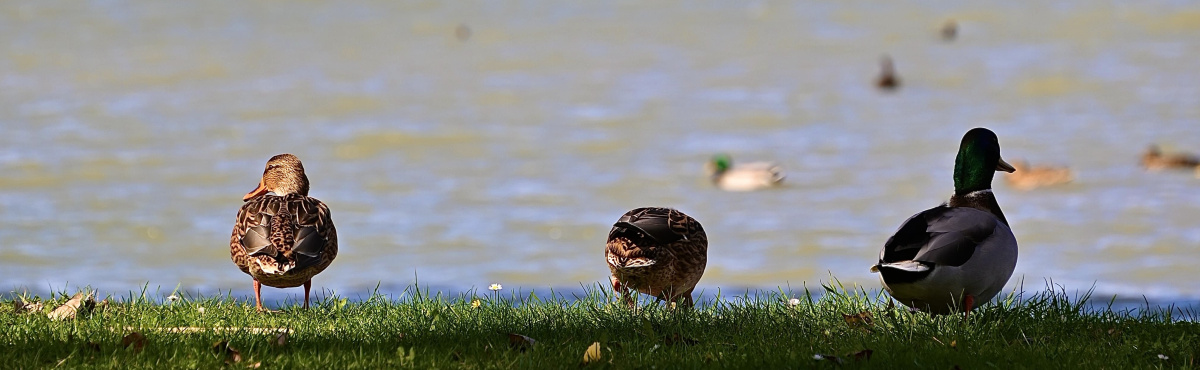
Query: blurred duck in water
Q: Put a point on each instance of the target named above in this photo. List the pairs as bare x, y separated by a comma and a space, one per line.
888, 79
743, 177
1028, 177
1155, 160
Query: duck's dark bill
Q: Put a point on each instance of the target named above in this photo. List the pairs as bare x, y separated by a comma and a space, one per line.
1001, 165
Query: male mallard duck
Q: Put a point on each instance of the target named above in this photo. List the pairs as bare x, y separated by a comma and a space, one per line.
744, 177
888, 79
657, 251
961, 252
282, 237
1027, 178
1155, 160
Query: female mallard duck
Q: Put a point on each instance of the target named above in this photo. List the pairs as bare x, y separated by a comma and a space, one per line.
951, 256
1155, 160
282, 237
888, 79
657, 251
1028, 178
745, 177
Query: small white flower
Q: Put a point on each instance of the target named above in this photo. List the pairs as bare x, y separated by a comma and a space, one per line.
495, 287
173, 298
793, 302
200, 310
1163, 357
818, 357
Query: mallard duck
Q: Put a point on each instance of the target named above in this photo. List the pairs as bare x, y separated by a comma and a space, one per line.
1027, 178
282, 237
960, 253
949, 30
888, 79
744, 177
1155, 160
657, 251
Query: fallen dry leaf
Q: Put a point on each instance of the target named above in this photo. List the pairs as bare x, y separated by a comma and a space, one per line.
136, 340
859, 320
520, 342
20, 306
592, 354
68, 310
862, 355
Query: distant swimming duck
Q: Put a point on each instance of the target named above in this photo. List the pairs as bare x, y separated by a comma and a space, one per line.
960, 253
888, 79
1155, 160
657, 251
282, 237
949, 30
1027, 178
744, 177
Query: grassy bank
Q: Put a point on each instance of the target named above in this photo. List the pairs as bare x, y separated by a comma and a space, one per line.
420, 330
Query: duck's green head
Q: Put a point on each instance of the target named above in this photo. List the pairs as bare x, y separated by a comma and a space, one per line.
721, 162
978, 160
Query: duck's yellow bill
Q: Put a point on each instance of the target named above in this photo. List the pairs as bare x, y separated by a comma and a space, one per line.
261, 189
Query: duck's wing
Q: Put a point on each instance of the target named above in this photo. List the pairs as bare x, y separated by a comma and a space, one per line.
661, 225
293, 230
636, 237
941, 235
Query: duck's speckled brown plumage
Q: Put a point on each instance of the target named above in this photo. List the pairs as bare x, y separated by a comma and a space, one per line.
1154, 159
282, 237
657, 251
283, 218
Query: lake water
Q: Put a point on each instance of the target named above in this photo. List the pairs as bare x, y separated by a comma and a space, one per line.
505, 151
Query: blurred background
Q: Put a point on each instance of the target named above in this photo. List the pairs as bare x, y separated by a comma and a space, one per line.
460, 144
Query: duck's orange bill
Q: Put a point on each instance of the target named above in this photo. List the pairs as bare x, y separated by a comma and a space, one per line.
260, 190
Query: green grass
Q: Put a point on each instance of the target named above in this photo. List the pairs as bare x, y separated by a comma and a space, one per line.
761, 330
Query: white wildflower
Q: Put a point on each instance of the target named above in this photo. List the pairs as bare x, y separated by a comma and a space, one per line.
495, 287
200, 309
1163, 357
172, 298
793, 302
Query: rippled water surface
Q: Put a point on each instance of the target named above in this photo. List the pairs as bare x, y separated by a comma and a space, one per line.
131, 130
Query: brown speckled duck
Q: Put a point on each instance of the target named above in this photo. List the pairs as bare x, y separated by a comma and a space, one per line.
282, 237
657, 251
1155, 160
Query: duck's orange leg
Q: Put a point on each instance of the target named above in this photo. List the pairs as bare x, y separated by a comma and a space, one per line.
968, 303
258, 295
307, 286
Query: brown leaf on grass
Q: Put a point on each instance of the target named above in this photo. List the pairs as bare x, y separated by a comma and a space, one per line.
136, 340
520, 342
830, 358
862, 355
592, 354
679, 339
860, 320
68, 310
20, 306
281, 340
